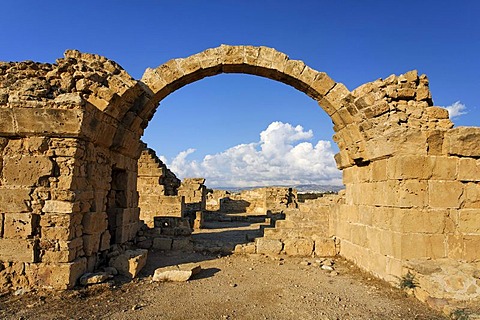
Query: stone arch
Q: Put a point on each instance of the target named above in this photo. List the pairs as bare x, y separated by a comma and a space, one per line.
333, 97
70, 140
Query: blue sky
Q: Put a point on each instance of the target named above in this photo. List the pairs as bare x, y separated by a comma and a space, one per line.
223, 117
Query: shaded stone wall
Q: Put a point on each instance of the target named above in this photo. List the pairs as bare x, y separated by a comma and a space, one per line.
157, 189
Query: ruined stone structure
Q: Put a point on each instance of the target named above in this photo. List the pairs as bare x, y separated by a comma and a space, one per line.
157, 189
255, 201
194, 192
70, 140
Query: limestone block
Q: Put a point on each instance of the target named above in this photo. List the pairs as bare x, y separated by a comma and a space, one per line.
94, 222
472, 195
435, 141
298, 247
409, 167
105, 240
232, 55
379, 170
64, 233
57, 206
94, 278
444, 168
91, 243
455, 246
325, 247
20, 250
418, 245
436, 113
58, 276
472, 243
26, 170
170, 71
463, 141
7, 122
445, 194
407, 193
267, 246
19, 225
322, 83
162, 244
468, 169
14, 200
48, 121
130, 262
469, 221
177, 273
245, 248
58, 256
419, 221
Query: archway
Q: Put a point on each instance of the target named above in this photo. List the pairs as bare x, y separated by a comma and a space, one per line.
334, 98
412, 181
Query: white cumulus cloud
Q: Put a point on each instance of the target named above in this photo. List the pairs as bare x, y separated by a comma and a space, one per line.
456, 109
282, 156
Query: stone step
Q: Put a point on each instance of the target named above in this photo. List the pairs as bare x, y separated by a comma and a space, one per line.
317, 215
300, 223
298, 232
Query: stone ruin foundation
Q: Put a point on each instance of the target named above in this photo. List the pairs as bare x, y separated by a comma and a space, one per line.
70, 141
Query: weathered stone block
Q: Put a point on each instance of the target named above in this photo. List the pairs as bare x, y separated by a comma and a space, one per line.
57, 206
177, 273
130, 262
47, 121
26, 170
94, 222
445, 194
267, 246
59, 276
423, 246
19, 225
469, 221
20, 250
14, 200
463, 141
91, 243
298, 247
409, 167
105, 240
325, 247
468, 169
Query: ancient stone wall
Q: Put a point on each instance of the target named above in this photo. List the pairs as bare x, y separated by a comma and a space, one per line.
417, 194
254, 201
70, 140
157, 189
195, 194
65, 197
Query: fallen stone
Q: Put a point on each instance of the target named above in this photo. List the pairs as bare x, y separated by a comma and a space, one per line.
94, 278
130, 262
328, 268
178, 273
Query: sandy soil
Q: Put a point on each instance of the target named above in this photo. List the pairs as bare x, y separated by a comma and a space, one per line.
229, 287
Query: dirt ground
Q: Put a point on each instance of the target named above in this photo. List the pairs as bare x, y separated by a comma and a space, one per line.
228, 287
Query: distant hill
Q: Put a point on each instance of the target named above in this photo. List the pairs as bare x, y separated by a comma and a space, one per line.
301, 188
